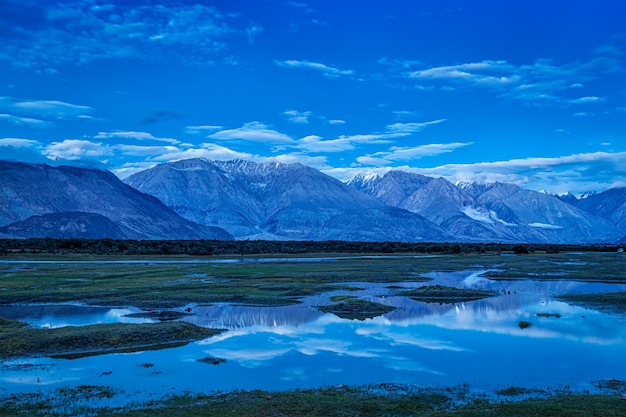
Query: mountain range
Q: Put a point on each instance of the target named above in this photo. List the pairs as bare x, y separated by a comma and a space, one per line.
203, 199
279, 201
38, 200
494, 212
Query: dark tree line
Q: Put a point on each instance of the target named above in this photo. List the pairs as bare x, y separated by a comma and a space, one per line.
254, 247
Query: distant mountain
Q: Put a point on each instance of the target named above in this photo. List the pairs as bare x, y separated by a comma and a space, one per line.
568, 198
41, 200
609, 204
202, 192
202, 199
437, 200
279, 201
65, 225
487, 212
540, 217
393, 188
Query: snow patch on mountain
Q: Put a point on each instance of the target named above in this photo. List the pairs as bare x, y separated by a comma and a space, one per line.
545, 226
483, 215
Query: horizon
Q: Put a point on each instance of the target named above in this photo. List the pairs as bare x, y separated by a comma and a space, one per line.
531, 94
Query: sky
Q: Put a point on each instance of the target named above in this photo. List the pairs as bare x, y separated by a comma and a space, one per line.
528, 92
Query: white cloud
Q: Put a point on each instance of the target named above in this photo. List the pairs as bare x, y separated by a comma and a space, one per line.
371, 160
73, 149
140, 136
209, 152
585, 100
314, 143
78, 32
410, 128
151, 155
343, 143
539, 83
576, 173
22, 150
336, 122
482, 73
300, 117
136, 150
52, 109
253, 132
19, 143
130, 168
23, 121
59, 108
198, 130
175, 153
328, 71
404, 114
396, 153
253, 32
222, 153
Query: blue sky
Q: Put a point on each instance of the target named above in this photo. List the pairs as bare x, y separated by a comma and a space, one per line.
529, 92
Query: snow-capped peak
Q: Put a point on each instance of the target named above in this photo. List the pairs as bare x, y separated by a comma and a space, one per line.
362, 180
586, 195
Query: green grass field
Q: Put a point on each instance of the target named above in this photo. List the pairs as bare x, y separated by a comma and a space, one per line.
87, 279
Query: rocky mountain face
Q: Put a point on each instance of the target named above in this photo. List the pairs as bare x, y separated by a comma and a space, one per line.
488, 212
440, 202
609, 204
41, 200
542, 217
202, 199
73, 224
279, 201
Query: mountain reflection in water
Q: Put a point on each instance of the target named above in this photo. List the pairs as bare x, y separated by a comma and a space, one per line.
275, 348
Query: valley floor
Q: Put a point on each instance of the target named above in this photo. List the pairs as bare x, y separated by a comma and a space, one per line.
162, 286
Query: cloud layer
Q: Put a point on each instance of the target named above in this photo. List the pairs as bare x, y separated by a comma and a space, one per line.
539, 83
326, 70
130, 84
82, 31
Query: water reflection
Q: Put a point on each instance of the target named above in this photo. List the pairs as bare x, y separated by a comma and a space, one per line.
552, 287
478, 342
61, 315
238, 317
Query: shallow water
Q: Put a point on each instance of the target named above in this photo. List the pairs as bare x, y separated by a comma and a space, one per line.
276, 348
61, 315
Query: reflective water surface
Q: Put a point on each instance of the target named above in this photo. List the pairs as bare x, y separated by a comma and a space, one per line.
277, 348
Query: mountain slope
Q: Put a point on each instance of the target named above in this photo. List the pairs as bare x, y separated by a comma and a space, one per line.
393, 188
202, 192
609, 204
438, 201
65, 225
33, 190
488, 212
540, 217
278, 186
283, 201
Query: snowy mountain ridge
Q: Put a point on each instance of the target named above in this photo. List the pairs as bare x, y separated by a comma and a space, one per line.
201, 198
